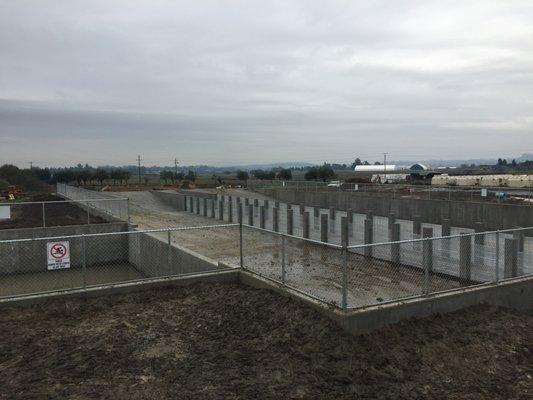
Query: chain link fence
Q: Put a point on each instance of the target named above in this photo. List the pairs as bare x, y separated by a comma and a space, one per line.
102, 204
48, 264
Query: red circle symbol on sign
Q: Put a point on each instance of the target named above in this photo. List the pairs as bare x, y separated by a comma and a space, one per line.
58, 251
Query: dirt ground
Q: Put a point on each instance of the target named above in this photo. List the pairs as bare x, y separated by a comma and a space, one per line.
57, 214
217, 341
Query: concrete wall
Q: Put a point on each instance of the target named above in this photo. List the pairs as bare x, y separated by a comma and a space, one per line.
460, 213
174, 200
153, 257
203, 195
30, 256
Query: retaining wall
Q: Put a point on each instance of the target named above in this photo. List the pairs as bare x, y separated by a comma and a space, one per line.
460, 213
174, 200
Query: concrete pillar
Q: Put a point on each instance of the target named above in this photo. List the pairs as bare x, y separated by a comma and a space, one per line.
289, 222
239, 213
266, 204
519, 237
445, 227
185, 205
256, 207
230, 210
198, 205
250, 214
369, 228
417, 226
275, 219
276, 204
445, 231
316, 217
213, 206
302, 209
465, 259
395, 248
205, 207
262, 217
369, 214
305, 225
427, 250
510, 269
344, 231
246, 201
191, 204
332, 216
221, 210
392, 219
324, 228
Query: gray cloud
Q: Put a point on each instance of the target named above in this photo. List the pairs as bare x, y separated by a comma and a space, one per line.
246, 82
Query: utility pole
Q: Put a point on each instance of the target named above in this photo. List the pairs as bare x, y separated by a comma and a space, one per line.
31, 164
139, 167
176, 162
385, 162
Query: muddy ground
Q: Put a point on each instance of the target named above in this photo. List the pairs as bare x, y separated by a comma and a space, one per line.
217, 341
57, 214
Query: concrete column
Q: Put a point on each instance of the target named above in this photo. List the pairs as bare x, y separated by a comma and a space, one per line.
289, 221
316, 217
427, 250
392, 220
250, 214
266, 204
275, 219
369, 214
239, 213
221, 210
445, 227
276, 204
185, 208
395, 248
302, 209
465, 259
213, 206
262, 217
324, 228
417, 226
369, 228
332, 216
510, 264
519, 237
205, 207
191, 204
256, 207
246, 201
344, 231
198, 205
305, 220
230, 210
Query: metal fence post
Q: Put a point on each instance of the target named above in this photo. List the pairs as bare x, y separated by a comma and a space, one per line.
283, 272
497, 257
88, 215
44, 216
241, 253
344, 236
169, 253
84, 261
128, 209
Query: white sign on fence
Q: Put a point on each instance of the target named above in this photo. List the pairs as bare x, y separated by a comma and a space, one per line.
58, 255
5, 212
483, 192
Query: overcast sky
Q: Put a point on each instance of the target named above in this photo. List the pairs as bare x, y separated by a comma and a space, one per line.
235, 82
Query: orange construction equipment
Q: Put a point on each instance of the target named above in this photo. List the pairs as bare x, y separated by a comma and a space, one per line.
12, 192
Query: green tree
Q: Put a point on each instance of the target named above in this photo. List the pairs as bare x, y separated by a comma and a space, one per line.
100, 175
285, 174
243, 176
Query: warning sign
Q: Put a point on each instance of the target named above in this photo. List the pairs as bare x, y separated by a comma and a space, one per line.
58, 255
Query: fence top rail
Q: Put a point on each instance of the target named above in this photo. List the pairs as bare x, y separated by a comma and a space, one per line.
17, 203
293, 236
135, 232
424, 239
